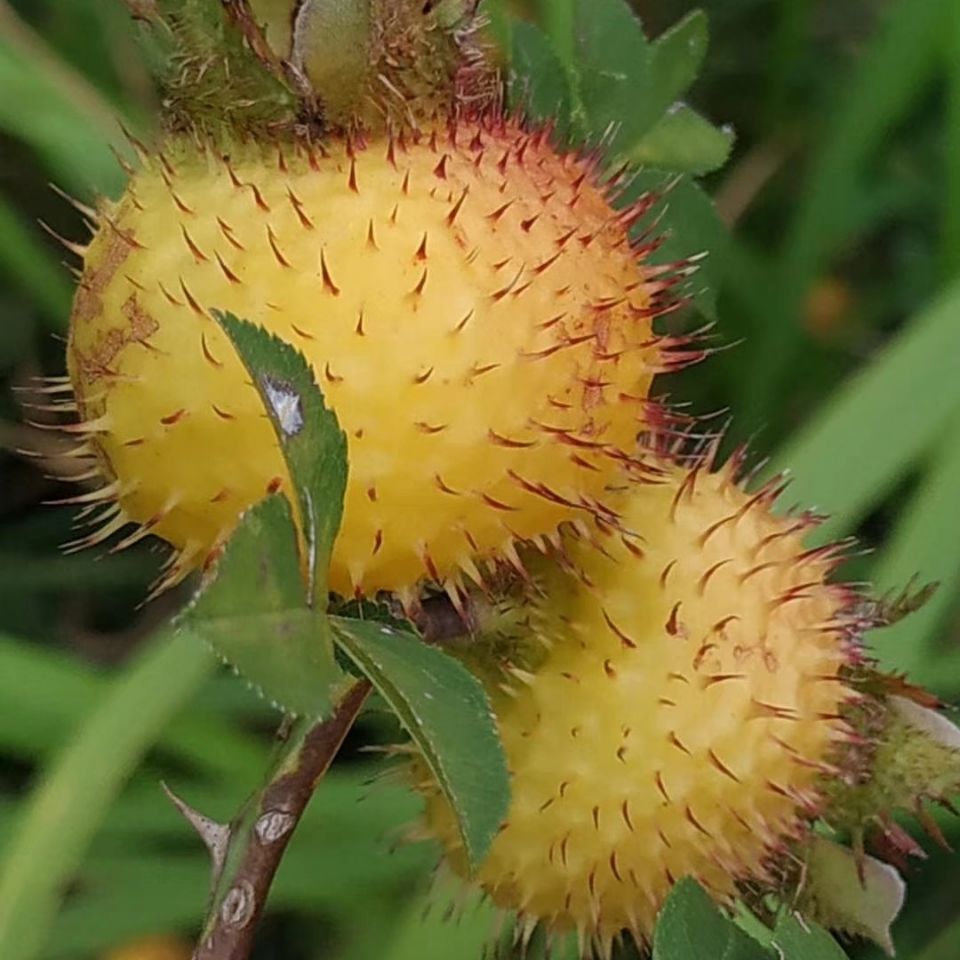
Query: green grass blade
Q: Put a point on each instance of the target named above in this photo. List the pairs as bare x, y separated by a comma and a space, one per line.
29, 265
880, 423
891, 74
54, 110
926, 545
31, 726
73, 800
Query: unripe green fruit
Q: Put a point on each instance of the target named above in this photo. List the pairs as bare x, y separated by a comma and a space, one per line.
470, 302
680, 716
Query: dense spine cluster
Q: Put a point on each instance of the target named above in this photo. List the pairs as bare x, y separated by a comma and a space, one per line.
676, 699
475, 307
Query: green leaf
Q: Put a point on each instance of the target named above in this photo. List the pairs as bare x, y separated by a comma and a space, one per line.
29, 264
72, 801
446, 711
691, 927
612, 64
540, 81
56, 111
675, 60
314, 447
689, 226
800, 940
877, 425
253, 614
683, 141
925, 548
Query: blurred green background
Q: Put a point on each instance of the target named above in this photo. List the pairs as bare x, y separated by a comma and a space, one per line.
839, 321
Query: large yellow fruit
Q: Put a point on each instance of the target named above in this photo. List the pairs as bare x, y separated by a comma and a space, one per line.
470, 302
683, 707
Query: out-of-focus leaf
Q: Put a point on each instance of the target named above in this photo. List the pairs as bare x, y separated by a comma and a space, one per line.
71, 802
612, 60
925, 547
876, 426
54, 110
426, 933
891, 72
253, 614
28, 264
675, 60
443, 707
683, 141
691, 927
540, 83
33, 726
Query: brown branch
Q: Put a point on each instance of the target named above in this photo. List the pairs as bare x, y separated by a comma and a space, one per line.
258, 842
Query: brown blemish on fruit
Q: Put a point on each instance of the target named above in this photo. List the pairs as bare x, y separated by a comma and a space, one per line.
95, 363
88, 303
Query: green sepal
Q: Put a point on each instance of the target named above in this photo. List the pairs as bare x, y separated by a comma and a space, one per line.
854, 894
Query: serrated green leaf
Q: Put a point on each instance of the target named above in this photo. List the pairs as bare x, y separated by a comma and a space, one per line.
253, 615
795, 939
314, 447
691, 927
446, 711
675, 60
540, 81
684, 141
612, 61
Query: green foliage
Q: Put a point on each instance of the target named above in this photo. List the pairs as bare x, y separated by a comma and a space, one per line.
253, 614
795, 939
265, 609
691, 927
313, 445
71, 802
875, 210
446, 711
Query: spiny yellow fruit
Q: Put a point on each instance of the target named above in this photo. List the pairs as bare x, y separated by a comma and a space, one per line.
684, 706
470, 300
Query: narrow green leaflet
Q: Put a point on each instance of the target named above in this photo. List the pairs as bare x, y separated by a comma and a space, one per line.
612, 63
314, 446
691, 927
445, 710
254, 616
683, 141
799, 940
675, 60
540, 83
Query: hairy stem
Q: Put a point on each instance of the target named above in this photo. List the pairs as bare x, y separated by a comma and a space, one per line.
255, 843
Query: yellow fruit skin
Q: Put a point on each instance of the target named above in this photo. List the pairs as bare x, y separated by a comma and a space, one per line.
469, 301
687, 705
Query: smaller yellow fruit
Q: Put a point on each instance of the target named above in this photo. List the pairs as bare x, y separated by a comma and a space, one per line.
685, 702
152, 948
